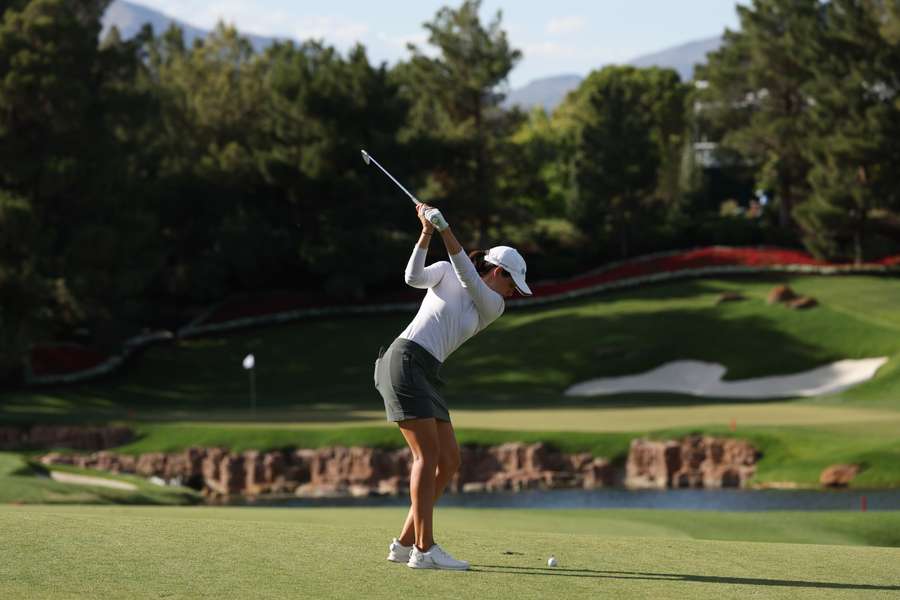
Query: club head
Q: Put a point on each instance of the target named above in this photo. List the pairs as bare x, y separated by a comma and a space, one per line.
365, 156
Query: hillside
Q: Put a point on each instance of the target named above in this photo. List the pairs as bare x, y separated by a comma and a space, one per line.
528, 358
130, 17
548, 92
682, 58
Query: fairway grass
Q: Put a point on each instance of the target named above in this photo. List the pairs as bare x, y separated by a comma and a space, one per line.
89, 552
527, 359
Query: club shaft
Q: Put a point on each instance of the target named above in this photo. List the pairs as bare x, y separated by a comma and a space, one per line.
413, 198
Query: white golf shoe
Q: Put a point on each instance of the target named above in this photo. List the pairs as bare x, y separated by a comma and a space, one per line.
435, 558
399, 553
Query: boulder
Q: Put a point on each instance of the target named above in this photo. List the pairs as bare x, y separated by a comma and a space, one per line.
651, 464
254, 474
695, 462
598, 473
781, 293
477, 465
838, 475
151, 463
539, 457
211, 477
394, 486
232, 475
299, 466
803, 302
275, 472
511, 456
55, 458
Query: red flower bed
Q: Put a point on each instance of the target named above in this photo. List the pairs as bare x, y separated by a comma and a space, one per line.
715, 256
673, 263
63, 358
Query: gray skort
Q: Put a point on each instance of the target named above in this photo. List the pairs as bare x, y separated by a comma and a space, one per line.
407, 376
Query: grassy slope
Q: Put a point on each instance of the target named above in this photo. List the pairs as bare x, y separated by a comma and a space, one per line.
525, 359
312, 374
22, 482
322, 553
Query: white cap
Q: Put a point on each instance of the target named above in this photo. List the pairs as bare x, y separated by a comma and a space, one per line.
512, 262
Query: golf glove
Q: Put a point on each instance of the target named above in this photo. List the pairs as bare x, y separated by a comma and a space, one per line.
435, 217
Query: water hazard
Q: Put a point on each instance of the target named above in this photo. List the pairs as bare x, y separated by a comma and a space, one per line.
720, 500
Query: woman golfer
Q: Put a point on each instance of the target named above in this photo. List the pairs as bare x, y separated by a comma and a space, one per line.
464, 296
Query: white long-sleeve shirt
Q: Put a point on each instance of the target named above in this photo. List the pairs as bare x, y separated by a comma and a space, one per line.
458, 303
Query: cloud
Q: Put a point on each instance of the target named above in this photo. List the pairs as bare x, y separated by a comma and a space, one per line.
249, 18
562, 25
400, 41
337, 30
549, 50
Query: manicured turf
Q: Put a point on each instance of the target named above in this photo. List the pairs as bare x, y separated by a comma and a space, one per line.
83, 552
526, 359
315, 387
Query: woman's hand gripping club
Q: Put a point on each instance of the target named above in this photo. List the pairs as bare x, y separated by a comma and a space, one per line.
432, 216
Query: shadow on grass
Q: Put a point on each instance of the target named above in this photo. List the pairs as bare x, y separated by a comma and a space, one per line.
533, 361
526, 360
558, 572
309, 415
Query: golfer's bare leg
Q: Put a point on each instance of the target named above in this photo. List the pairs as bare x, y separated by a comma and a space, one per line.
422, 437
448, 464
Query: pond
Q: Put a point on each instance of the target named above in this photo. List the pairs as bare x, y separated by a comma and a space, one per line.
707, 499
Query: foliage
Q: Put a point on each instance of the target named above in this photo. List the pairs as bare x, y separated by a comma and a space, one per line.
755, 97
456, 115
856, 121
144, 179
627, 128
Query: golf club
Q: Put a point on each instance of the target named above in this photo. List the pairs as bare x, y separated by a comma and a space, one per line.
367, 158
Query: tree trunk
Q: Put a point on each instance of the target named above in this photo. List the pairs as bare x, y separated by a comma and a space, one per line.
785, 200
860, 230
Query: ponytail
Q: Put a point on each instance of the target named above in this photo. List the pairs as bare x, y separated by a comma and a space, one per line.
477, 257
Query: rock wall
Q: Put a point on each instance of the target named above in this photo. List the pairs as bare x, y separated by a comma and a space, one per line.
694, 462
340, 471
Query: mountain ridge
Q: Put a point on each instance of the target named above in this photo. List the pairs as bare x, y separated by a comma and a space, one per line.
547, 92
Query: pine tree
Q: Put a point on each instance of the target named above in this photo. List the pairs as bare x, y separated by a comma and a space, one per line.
756, 97
456, 113
855, 153
628, 126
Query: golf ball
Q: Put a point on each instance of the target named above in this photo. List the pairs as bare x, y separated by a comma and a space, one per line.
551, 562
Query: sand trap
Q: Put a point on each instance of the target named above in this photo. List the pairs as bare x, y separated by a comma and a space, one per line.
705, 379
86, 480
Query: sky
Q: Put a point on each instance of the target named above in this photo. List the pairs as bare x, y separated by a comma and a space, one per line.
559, 37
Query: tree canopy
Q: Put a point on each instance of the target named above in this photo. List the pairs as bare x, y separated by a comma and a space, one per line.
142, 180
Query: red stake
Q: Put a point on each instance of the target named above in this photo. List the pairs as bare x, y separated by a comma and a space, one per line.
863, 504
